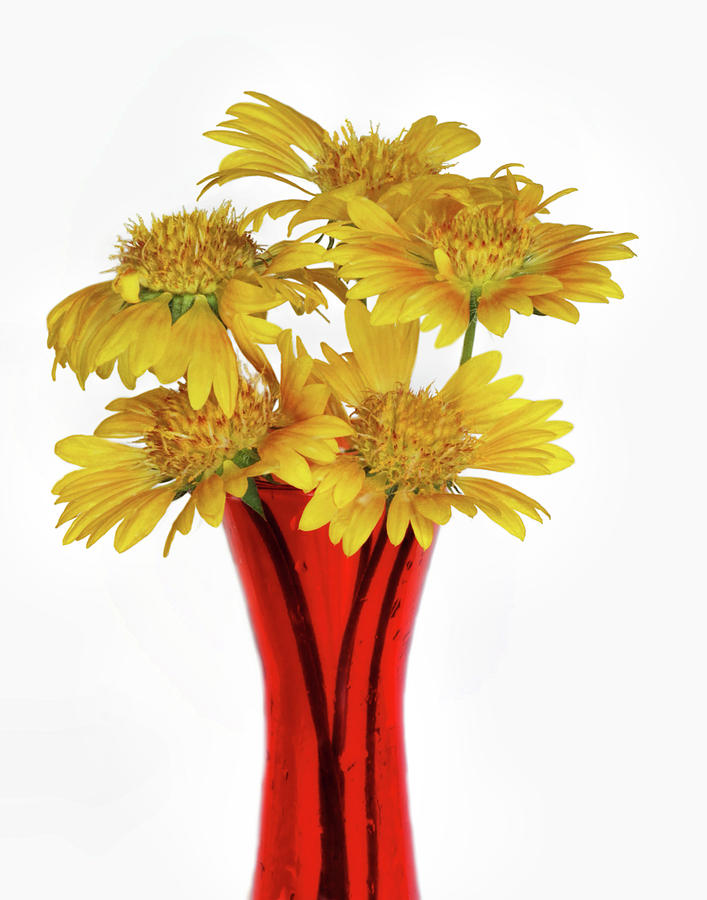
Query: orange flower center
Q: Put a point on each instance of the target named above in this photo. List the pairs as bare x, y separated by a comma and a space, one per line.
186, 253
185, 444
483, 244
379, 163
415, 439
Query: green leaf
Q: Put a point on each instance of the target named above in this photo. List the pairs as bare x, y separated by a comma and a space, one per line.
179, 304
246, 457
252, 498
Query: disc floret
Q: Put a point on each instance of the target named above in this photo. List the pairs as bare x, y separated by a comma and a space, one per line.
376, 161
184, 253
415, 439
482, 244
188, 445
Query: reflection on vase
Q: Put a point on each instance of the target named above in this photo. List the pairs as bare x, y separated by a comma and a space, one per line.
333, 634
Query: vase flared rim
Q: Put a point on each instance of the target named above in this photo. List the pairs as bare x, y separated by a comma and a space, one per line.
278, 486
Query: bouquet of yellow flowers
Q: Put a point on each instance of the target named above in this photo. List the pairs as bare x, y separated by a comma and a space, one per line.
398, 244
411, 246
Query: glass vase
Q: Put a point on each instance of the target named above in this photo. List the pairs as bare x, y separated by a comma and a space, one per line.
333, 634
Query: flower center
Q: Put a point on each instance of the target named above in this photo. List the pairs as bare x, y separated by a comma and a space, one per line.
416, 440
483, 244
378, 162
186, 444
186, 253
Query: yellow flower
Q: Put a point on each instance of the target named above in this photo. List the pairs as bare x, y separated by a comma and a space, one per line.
409, 448
177, 450
345, 164
180, 284
457, 251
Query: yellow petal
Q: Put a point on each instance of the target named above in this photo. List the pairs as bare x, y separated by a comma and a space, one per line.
368, 216
349, 484
398, 517
435, 507
210, 499
240, 329
320, 510
143, 519
240, 297
494, 316
444, 264
290, 466
363, 518
128, 286
182, 523
421, 526
385, 353
90, 451
291, 255
235, 480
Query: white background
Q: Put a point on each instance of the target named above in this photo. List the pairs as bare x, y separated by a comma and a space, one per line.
556, 692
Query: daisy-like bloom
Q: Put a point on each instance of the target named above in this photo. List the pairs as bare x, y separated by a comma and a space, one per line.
409, 448
181, 283
471, 251
269, 134
177, 450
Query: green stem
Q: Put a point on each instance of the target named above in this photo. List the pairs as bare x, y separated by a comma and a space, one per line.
471, 327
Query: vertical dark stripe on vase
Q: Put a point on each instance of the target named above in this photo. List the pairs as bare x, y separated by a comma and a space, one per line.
372, 710
368, 563
334, 878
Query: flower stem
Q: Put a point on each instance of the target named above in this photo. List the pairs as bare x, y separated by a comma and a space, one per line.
471, 327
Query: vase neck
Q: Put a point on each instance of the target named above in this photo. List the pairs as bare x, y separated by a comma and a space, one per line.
333, 634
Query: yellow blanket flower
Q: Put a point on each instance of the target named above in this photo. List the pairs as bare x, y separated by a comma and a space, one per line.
177, 450
457, 251
180, 284
268, 135
409, 448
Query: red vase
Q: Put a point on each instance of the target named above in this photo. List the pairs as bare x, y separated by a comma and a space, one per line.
333, 633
